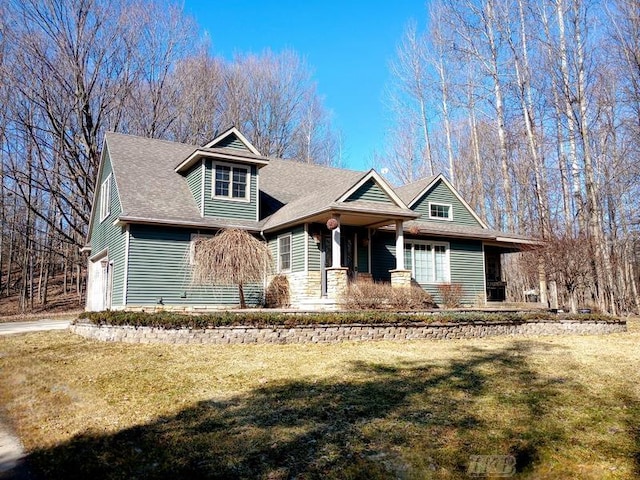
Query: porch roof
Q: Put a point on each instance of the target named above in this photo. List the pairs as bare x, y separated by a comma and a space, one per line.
303, 192
489, 236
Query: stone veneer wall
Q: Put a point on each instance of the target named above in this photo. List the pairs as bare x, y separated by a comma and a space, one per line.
339, 333
303, 287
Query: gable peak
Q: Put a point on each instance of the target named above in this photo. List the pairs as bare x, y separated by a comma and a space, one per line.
232, 138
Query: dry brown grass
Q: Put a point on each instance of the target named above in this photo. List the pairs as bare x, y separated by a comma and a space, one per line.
565, 407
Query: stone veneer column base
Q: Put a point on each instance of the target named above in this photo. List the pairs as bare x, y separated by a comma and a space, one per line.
400, 278
336, 282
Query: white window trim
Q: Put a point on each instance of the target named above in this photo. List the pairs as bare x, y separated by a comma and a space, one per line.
192, 244
105, 199
247, 197
449, 218
281, 270
447, 259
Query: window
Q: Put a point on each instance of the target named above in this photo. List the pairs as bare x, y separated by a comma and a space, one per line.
440, 211
231, 182
105, 198
284, 253
428, 262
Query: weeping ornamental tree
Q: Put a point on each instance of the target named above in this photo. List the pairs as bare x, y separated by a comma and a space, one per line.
232, 257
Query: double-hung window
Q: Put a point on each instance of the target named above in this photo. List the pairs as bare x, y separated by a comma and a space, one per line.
105, 198
440, 211
231, 182
284, 253
428, 261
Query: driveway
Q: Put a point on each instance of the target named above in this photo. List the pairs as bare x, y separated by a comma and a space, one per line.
10, 328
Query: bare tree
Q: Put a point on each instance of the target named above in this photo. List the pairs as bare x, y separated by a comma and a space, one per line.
232, 257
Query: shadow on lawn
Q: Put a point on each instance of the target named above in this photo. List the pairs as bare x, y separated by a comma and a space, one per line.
411, 420
631, 404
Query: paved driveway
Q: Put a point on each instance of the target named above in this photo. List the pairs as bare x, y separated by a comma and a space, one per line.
33, 326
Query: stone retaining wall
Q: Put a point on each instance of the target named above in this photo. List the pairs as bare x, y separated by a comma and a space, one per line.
340, 333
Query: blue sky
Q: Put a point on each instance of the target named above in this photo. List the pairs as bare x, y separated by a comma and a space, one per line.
348, 45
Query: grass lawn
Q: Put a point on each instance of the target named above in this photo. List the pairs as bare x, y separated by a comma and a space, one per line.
563, 407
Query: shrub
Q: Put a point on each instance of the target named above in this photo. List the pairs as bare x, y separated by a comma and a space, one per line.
451, 294
277, 294
266, 319
382, 296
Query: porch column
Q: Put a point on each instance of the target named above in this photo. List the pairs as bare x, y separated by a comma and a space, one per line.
399, 276
335, 244
399, 245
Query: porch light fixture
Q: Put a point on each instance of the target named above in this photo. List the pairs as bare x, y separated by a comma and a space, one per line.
332, 224
104, 263
317, 237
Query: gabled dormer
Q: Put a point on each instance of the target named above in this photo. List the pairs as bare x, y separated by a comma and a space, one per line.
223, 176
439, 202
232, 138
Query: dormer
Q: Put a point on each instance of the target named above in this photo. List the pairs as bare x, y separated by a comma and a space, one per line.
223, 176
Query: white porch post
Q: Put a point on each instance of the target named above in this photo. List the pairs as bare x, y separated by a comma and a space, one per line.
335, 244
399, 245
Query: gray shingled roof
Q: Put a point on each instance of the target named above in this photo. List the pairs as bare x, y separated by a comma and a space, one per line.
148, 186
411, 190
152, 192
463, 231
307, 189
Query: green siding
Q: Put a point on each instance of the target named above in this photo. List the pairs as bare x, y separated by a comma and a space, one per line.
297, 249
232, 141
383, 256
106, 235
363, 254
440, 193
467, 269
159, 268
194, 180
272, 243
314, 253
465, 262
298, 239
219, 207
370, 191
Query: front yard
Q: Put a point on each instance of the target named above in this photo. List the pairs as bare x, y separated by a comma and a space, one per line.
563, 407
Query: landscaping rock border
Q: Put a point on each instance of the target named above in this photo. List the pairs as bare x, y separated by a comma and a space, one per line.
341, 333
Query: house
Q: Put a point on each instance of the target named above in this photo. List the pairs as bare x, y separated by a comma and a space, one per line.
154, 198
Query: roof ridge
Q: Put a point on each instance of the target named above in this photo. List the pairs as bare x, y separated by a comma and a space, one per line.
316, 165
430, 177
140, 137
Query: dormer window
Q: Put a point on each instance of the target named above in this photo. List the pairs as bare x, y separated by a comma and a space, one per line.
231, 182
440, 211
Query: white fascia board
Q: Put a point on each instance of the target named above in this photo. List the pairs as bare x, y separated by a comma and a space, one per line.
386, 188
95, 190
241, 137
454, 191
198, 154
